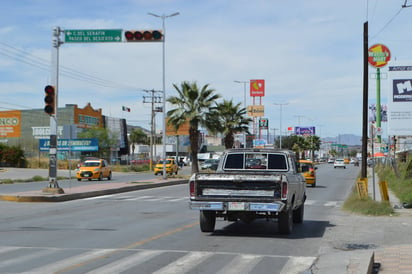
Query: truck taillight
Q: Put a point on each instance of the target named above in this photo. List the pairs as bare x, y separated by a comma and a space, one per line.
192, 188
284, 190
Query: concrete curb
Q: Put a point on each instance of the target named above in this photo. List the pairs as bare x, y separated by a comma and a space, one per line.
47, 197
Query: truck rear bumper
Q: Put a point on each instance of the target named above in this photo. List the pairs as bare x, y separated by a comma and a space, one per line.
237, 206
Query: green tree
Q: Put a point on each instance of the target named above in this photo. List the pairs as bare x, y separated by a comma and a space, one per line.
229, 120
106, 139
12, 156
137, 136
195, 105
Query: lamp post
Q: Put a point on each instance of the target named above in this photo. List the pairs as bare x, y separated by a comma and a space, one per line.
244, 104
280, 119
163, 17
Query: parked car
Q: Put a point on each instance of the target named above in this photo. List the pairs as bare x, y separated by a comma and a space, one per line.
331, 160
339, 163
171, 166
94, 169
210, 164
308, 170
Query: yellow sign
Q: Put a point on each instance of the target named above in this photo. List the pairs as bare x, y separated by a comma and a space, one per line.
10, 123
256, 111
183, 129
383, 186
362, 186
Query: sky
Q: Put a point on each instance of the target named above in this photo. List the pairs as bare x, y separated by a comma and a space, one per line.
310, 54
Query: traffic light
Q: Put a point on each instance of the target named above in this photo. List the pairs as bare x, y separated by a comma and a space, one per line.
50, 100
143, 36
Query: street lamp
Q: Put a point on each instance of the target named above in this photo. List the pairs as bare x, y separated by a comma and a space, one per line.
163, 17
244, 104
280, 126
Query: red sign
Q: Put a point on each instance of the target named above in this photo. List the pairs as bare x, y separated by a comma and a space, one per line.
378, 55
257, 88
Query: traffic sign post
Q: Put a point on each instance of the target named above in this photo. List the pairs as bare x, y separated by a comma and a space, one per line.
92, 35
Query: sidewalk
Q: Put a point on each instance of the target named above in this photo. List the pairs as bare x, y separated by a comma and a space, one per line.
396, 258
364, 244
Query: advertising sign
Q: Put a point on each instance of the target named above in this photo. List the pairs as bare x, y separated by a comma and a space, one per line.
305, 130
10, 123
400, 100
257, 88
263, 123
378, 55
183, 129
256, 111
73, 145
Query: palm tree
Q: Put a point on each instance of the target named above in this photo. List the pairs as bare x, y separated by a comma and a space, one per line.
195, 106
230, 119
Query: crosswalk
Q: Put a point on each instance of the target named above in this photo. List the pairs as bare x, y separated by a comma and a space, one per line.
33, 260
169, 199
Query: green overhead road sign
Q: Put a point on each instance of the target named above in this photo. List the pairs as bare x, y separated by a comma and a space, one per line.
92, 35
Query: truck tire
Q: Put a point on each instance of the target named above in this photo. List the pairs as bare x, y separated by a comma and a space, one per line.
207, 220
298, 214
285, 221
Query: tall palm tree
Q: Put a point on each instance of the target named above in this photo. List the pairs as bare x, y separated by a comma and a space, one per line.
231, 119
195, 106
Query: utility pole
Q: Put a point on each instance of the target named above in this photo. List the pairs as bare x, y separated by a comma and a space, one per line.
365, 101
152, 99
53, 186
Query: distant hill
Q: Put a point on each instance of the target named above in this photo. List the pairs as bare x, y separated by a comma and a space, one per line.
346, 139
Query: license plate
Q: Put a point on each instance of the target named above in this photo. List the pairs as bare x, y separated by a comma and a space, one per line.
86, 175
236, 206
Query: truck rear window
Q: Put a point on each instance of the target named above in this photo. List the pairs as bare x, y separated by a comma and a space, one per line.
256, 161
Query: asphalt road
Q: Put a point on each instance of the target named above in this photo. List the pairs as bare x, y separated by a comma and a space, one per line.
153, 231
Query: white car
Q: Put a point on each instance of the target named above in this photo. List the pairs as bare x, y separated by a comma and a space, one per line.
339, 163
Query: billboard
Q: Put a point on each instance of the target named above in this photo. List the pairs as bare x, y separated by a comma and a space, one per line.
256, 111
10, 123
305, 130
257, 88
73, 145
400, 100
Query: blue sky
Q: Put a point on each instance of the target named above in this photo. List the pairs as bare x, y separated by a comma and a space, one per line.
308, 52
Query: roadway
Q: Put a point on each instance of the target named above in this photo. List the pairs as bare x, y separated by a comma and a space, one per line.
153, 231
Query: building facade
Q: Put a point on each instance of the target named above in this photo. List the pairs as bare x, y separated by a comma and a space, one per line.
24, 128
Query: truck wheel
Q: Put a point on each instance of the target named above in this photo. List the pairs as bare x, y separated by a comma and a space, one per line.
285, 221
298, 214
207, 221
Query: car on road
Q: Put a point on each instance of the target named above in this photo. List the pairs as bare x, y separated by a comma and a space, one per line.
170, 165
308, 170
94, 169
339, 163
331, 160
210, 164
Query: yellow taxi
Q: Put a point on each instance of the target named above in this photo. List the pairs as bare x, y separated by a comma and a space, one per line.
308, 170
94, 169
171, 167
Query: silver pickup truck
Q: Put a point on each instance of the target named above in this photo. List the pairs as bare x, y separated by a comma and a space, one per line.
250, 184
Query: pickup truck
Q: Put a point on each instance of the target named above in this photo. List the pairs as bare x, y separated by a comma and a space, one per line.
250, 184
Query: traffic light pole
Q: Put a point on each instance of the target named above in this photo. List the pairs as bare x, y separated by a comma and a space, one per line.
53, 185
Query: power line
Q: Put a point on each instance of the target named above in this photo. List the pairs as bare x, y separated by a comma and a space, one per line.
40, 63
387, 24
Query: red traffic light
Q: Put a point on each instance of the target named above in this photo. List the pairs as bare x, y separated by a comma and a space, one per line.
50, 100
143, 36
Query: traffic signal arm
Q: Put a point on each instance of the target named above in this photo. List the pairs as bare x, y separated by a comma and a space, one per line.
143, 36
